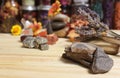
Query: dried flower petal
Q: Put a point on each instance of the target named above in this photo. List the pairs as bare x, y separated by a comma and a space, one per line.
16, 30
55, 9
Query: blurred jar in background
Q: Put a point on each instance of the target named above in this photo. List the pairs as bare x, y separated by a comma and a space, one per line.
108, 12
11, 8
77, 3
43, 8
28, 10
29, 13
96, 5
117, 15
43, 14
44, 2
66, 6
9, 15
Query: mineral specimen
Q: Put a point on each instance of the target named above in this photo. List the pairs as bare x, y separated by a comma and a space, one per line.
41, 40
57, 25
90, 56
44, 47
36, 42
41, 43
28, 42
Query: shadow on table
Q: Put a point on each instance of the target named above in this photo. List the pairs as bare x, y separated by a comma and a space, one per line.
70, 61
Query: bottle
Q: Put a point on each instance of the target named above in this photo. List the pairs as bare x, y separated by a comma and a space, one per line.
77, 3
9, 15
108, 12
117, 15
28, 10
96, 5
65, 6
43, 8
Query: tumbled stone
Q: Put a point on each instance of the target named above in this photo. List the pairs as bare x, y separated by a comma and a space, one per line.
28, 42
101, 62
58, 25
41, 40
43, 47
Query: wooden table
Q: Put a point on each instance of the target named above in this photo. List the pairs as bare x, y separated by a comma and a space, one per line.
19, 62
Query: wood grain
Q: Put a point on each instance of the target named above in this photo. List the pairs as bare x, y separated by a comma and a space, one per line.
19, 62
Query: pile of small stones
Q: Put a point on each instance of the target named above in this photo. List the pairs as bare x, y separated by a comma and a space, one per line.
36, 42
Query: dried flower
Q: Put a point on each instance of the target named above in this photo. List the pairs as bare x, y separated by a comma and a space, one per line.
36, 28
55, 9
16, 30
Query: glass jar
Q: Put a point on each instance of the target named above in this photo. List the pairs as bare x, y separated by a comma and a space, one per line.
66, 6
11, 7
29, 12
44, 2
43, 14
108, 12
78, 3
117, 15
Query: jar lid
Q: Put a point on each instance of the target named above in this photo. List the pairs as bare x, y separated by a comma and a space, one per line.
81, 1
44, 7
28, 8
78, 4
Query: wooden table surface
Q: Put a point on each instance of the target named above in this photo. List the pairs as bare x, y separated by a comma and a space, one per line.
19, 62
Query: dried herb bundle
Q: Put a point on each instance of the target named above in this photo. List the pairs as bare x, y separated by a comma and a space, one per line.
95, 28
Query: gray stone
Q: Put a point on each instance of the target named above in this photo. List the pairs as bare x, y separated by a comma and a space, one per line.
41, 40
28, 42
43, 47
101, 62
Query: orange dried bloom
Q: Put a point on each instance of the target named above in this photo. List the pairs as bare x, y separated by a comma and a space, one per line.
55, 9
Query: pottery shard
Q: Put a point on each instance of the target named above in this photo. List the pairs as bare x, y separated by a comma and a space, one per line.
101, 62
